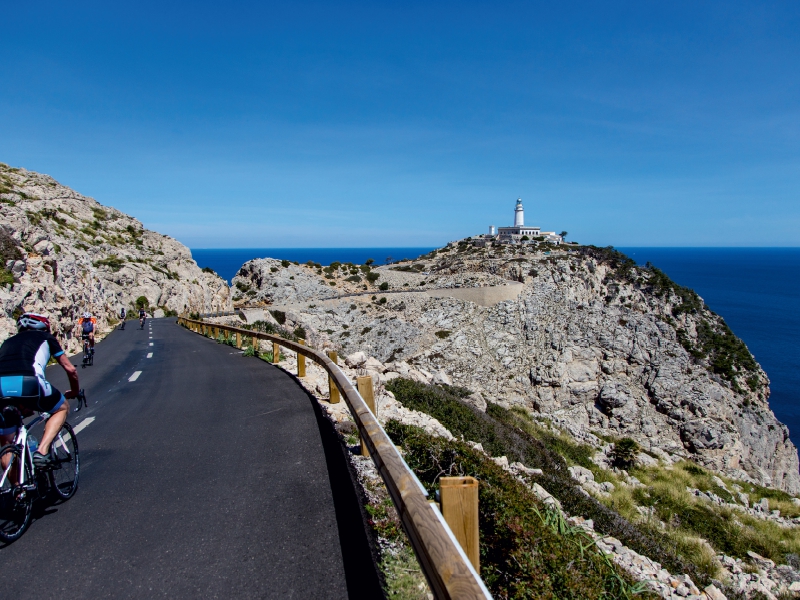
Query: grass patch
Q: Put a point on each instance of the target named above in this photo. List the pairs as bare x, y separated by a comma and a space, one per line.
526, 551
112, 262
501, 433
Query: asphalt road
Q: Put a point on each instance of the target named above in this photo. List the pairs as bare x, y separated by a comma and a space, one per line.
210, 475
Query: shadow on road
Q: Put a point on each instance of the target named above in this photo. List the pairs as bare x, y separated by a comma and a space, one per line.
359, 548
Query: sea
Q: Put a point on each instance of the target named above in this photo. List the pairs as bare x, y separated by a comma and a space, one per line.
756, 291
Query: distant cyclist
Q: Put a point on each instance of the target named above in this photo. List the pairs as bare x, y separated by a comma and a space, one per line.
122, 316
88, 325
23, 358
142, 318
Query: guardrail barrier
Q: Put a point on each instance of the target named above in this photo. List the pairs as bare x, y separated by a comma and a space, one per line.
446, 565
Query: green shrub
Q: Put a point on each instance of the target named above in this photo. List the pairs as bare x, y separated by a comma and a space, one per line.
6, 277
142, 302
525, 550
372, 276
285, 263
498, 432
384, 286
112, 262
443, 334
354, 279
624, 452
279, 315
209, 270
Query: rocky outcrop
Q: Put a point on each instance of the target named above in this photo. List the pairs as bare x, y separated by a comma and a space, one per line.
592, 340
65, 253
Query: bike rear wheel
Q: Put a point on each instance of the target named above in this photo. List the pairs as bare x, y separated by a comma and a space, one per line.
16, 503
66, 463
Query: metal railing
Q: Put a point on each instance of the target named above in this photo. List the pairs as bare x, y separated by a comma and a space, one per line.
446, 566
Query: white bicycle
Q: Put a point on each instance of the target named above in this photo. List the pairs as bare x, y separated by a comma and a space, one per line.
21, 483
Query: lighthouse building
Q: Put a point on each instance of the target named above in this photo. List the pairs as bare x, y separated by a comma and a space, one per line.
515, 234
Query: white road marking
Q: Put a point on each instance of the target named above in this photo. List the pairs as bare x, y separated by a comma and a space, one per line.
151, 343
83, 425
149, 355
135, 376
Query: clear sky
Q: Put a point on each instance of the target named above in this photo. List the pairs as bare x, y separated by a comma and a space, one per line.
249, 124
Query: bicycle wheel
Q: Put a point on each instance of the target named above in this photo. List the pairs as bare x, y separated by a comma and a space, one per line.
15, 503
66, 463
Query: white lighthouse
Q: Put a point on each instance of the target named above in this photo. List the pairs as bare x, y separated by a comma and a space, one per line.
519, 215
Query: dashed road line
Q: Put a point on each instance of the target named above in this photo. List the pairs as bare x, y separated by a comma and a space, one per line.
135, 376
151, 343
82, 425
149, 355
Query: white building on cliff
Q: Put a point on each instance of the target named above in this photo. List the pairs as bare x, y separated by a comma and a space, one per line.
518, 233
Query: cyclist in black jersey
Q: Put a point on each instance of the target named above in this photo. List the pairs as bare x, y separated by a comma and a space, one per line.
142, 317
23, 358
122, 316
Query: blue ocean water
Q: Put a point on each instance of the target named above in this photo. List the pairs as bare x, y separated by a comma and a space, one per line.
227, 261
757, 292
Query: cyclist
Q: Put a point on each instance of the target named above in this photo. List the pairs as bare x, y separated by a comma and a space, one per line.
142, 317
23, 358
122, 315
88, 324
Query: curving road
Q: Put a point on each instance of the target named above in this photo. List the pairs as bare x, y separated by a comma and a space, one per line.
204, 475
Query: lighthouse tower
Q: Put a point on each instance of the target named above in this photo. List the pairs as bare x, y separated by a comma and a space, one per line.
519, 216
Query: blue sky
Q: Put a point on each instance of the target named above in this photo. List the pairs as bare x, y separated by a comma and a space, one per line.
404, 124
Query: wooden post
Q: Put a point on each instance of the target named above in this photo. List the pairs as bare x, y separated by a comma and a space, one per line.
333, 390
256, 345
367, 392
459, 497
276, 353
238, 340
301, 361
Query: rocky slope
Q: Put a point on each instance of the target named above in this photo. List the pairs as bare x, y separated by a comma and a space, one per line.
591, 340
65, 253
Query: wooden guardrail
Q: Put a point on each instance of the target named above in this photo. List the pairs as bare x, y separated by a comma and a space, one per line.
446, 566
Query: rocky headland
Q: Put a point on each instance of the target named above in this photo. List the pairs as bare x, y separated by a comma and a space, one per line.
64, 253
583, 336
550, 363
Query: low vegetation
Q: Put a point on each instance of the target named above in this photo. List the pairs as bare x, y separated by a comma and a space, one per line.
502, 432
661, 518
526, 551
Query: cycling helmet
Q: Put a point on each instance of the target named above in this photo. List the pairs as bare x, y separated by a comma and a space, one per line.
87, 315
33, 321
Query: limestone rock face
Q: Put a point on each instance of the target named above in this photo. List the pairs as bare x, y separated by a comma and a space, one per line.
600, 345
68, 254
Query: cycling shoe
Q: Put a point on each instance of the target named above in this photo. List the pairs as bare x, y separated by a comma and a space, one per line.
42, 461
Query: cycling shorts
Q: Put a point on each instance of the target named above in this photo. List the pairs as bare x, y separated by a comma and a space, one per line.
28, 394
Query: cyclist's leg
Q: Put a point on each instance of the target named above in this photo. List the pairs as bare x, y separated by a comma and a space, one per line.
52, 427
58, 407
91, 340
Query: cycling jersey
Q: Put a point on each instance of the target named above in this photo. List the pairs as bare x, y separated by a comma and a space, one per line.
23, 358
87, 325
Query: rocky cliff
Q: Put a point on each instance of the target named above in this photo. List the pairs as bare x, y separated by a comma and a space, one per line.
64, 253
584, 336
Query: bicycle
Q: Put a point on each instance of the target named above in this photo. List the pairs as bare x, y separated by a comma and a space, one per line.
21, 484
88, 352
141, 322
